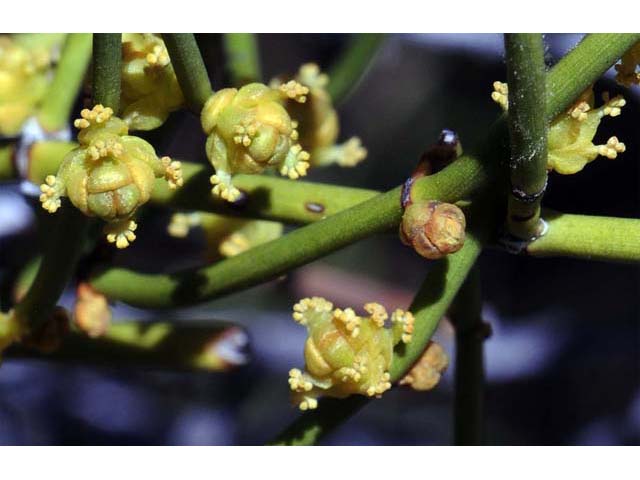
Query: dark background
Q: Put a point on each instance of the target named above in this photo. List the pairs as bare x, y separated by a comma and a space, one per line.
563, 364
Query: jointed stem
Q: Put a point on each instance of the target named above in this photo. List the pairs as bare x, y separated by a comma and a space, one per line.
190, 69
527, 132
349, 69
74, 60
243, 57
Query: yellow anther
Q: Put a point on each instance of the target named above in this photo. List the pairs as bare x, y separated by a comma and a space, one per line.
378, 313
295, 91
611, 148
50, 196
121, 233
500, 94
173, 172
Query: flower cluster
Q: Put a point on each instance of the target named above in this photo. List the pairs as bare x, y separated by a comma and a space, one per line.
150, 89
225, 236
318, 122
109, 175
345, 354
25, 67
249, 131
570, 136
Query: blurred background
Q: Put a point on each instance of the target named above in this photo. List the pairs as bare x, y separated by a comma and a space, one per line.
563, 363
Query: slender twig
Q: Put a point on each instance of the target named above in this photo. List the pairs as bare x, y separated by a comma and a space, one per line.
594, 238
466, 316
64, 246
189, 67
573, 74
183, 346
70, 71
242, 57
349, 69
270, 260
273, 198
527, 132
107, 63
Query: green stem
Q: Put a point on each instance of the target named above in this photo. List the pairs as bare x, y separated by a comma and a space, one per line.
349, 69
581, 67
243, 57
268, 197
429, 306
306, 244
270, 260
527, 132
107, 64
593, 238
74, 60
466, 316
190, 69
183, 346
64, 247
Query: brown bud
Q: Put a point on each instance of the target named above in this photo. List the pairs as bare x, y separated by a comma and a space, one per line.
434, 229
92, 312
427, 371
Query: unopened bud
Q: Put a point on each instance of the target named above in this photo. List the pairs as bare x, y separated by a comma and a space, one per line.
434, 229
426, 373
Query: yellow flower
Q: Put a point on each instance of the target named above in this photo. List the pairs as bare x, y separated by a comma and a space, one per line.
318, 122
109, 175
570, 136
150, 89
345, 354
225, 236
24, 77
249, 131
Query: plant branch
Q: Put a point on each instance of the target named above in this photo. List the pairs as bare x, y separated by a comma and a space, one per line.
264, 262
581, 67
527, 132
107, 66
589, 237
466, 316
199, 346
70, 71
312, 425
349, 69
64, 247
243, 57
190, 69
